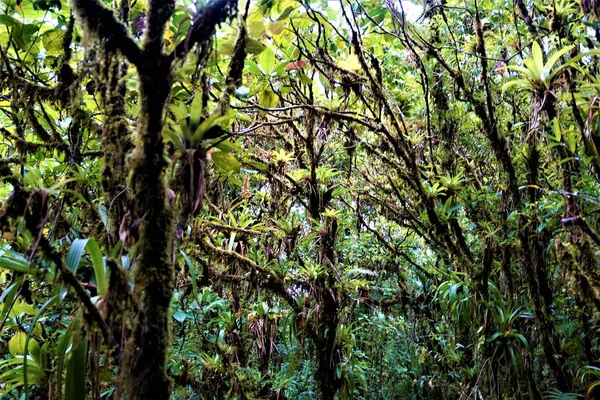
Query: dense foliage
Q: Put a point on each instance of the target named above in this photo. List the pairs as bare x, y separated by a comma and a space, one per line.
299, 199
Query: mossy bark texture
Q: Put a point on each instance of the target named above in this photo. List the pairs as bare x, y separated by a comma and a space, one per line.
143, 373
147, 349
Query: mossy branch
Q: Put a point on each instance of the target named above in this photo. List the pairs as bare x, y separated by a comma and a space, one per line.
204, 25
272, 280
228, 228
71, 280
159, 13
236, 67
101, 21
18, 204
578, 221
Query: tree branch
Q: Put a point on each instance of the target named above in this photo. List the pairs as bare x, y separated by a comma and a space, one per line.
203, 26
272, 280
584, 227
101, 21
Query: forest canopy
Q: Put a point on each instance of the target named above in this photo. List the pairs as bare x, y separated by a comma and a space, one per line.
282, 199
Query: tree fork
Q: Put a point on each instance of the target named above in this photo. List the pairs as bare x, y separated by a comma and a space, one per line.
143, 374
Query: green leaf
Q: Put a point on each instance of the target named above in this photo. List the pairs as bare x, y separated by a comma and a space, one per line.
538, 58
76, 371
172, 136
7, 299
98, 265
572, 139
16, 344
23, 35
286, 13
226, 48
13, 264
276, 27
31, 10
267, 99
252, 67
522, 339
61, 351
225, 162
179, 111
254, 46
75, 253
259, 166
267, 61
228, 146
556, 56
52, 41
13, 260
256, 28
44, 356
74, 259
179, 315
557, 131
192, 269
216, 119
8, 20
22, 308
523, 70
195, 111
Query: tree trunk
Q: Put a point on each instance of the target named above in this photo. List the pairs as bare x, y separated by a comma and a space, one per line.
143, 373
144, 369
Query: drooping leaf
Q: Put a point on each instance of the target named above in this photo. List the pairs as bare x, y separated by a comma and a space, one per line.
74, 259
179, 316
267, 99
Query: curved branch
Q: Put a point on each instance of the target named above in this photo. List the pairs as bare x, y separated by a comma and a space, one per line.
272, 280
101, 21
578, 221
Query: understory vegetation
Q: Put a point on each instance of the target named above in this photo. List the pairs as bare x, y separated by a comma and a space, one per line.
282, 199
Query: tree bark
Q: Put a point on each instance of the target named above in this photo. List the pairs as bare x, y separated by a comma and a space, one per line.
143, 373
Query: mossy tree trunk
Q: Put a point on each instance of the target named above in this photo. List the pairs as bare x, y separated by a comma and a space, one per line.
116, 138
143, 373
146, 352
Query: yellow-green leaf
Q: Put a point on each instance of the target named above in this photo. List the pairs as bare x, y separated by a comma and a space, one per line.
282, 156
351, 63
225, 162
267, 99
537, 56
267, 61
213, 120
22, 308
276, 27
256, 28
52, 40
16, 344
254, 46
195, 111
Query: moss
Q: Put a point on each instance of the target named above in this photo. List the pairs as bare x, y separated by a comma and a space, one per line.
99, 21
236, 66
146, 356
118, 306
116, 140
143, 372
